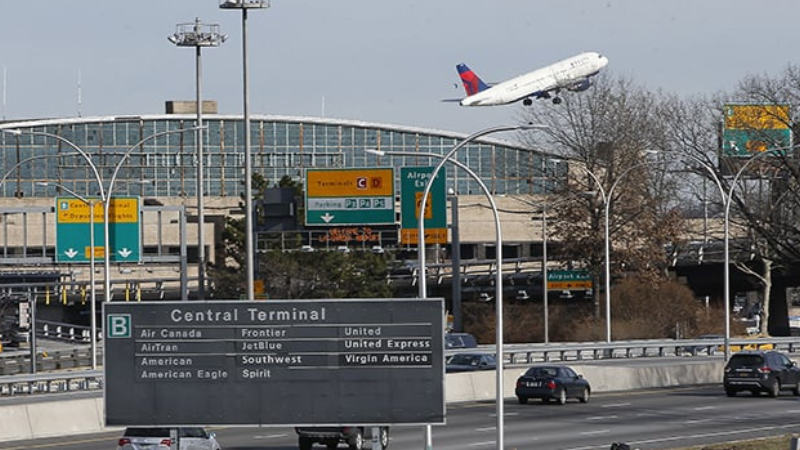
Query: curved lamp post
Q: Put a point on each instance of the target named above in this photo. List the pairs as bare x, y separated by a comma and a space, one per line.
448, 157
727, 199
91, 204
606, 196
105, 194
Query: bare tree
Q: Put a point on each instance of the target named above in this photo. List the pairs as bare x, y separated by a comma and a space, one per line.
604, 134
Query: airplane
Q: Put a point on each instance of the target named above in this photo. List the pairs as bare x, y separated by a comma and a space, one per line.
572, 74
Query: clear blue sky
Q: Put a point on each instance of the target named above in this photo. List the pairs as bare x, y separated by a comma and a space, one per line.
372, 60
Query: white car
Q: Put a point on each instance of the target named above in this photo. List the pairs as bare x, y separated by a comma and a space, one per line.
188, 438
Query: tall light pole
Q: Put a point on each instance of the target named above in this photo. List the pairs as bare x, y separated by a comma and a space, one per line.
606, 197
246, 5
199, 35
105, 194
422, 293
91, 204
727, 199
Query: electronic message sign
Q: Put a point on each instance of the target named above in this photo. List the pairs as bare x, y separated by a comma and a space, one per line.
282, 362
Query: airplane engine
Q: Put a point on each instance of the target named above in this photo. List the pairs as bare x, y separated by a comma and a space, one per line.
581, 85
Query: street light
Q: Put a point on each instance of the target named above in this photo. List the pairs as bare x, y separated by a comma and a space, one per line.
105, 194
727, 197
606, 198
448, 157
91, 203
246, 5
199, 35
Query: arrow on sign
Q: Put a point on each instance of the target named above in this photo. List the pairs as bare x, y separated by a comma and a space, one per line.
125, 252
71, 253
327, 217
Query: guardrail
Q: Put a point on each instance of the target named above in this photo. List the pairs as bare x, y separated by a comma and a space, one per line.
63, 331
47, 383
15, 381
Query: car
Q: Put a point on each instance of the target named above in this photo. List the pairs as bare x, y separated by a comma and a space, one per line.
459, 340
761, 371
354, 436
467, 362
710, 349
160, 438
552, 382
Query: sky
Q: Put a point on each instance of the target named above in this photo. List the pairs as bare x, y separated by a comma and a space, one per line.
371, 60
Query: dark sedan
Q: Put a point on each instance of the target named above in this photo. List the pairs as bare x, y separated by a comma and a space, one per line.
467, 362
552, 382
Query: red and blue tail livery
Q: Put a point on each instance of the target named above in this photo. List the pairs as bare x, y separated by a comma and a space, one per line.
472, 83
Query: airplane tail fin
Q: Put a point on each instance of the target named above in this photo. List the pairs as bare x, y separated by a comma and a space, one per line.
472, 83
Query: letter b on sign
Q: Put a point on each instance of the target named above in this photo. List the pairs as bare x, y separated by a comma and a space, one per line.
118, 325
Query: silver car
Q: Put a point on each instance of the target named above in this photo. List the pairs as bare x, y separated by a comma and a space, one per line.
188, 438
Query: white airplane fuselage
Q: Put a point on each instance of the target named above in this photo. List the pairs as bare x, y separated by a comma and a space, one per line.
539, 83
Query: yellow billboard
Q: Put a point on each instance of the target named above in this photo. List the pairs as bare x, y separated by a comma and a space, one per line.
756, 117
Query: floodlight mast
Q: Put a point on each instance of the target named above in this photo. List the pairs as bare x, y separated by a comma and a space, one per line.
199, 35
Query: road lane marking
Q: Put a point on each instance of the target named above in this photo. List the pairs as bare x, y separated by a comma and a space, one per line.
593, 432
481, 430
612, 416
482, 444
615, 405
745, 431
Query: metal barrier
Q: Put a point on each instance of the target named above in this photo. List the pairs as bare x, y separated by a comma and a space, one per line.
53, 382
15, 381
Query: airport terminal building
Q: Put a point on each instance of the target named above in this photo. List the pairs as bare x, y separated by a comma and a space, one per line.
150, 157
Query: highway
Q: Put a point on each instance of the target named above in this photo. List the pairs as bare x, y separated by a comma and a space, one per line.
648, 419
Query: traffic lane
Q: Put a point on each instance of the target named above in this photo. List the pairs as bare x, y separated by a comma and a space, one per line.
652, 419
662, 419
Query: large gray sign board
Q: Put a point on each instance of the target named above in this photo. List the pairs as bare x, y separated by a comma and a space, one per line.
277, 362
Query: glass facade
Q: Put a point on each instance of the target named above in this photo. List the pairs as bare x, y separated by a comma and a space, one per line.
152, 157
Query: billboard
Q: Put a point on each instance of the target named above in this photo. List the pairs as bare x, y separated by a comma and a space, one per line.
751, 129
281, 362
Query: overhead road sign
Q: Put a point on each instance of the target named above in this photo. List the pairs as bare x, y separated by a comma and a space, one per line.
750, 129
73, 237
281, 362
349, 197
412, 185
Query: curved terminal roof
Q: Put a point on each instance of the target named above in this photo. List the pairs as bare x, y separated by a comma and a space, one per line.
162, 160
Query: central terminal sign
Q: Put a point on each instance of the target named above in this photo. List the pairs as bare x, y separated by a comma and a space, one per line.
282, 362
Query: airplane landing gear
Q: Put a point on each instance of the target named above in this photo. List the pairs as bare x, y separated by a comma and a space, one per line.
556, 100
527, 102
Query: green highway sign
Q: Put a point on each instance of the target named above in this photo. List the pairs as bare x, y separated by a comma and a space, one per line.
350, 197
566, 280
73, 232
412, 186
